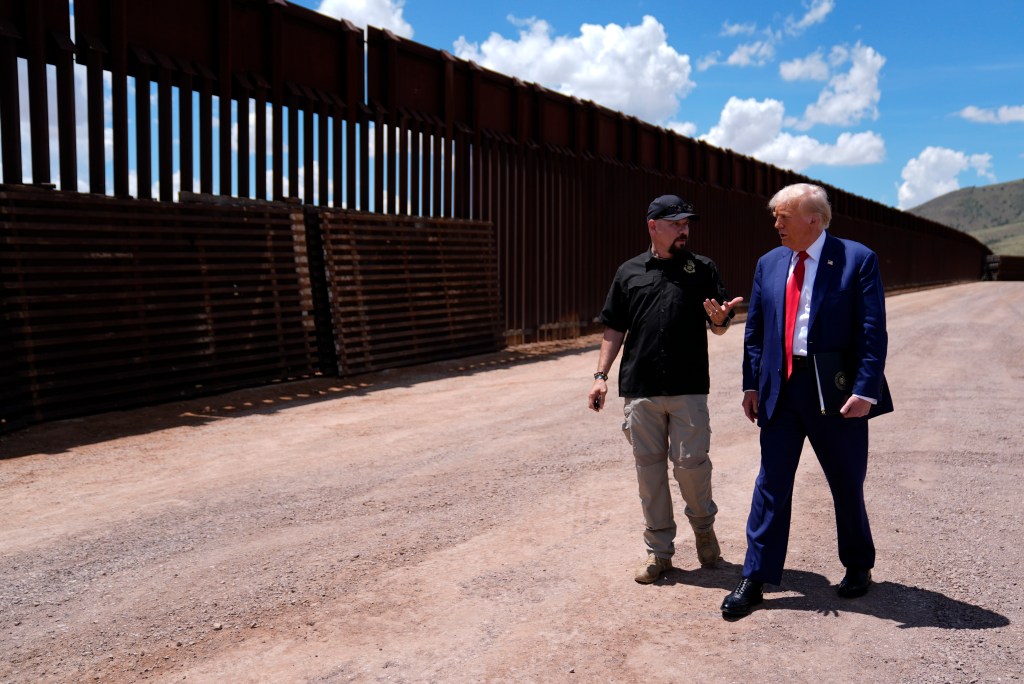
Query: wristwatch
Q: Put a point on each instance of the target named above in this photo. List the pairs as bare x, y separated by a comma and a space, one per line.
601, 376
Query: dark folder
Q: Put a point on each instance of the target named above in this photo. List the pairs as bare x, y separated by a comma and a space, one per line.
834, 381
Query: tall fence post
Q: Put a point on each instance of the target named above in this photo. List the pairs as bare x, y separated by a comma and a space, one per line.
325, 332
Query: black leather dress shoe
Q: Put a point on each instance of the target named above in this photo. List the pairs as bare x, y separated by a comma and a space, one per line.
856, 583
745, 596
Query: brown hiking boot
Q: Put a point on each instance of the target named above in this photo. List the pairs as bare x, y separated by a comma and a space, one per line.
708, 551
652, 568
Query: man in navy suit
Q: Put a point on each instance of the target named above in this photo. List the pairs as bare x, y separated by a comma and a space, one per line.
815, 294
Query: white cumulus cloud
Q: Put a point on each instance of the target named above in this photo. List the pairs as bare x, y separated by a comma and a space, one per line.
936, 171
616, 66
753, 54
708, 61
747, 125
755, 128
687, 128
817, 11
811, 68
386, 14
798, 152
762, 51
758, 53
1002, 115
738, 29
851, 96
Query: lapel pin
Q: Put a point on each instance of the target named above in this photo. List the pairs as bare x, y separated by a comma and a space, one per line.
830, 262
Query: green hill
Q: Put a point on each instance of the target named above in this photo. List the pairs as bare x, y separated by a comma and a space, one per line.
994, 214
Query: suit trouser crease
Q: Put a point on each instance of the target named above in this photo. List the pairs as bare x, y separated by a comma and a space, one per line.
841, 447
674, 431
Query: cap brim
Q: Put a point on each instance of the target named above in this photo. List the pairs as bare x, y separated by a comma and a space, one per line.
676, 217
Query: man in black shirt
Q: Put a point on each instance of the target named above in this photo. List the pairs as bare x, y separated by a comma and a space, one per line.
660, 304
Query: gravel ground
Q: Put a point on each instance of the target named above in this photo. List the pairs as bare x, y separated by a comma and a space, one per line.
472, 521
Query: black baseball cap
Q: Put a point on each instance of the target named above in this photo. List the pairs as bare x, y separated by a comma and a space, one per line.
671, 208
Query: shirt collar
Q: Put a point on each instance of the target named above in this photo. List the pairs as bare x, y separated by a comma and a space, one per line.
667, 261
814, 251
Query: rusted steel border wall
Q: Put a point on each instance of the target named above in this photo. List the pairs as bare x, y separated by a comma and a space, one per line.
372, 122
111, 303
276, 102
1001, 267
408, 290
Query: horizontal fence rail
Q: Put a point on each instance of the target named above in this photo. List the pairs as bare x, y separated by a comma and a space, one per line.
111, 303
407, 291
264, 102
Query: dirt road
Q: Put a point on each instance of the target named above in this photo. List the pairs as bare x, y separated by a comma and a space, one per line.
472, 521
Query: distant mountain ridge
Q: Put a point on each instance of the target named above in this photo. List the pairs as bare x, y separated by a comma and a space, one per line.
994, 214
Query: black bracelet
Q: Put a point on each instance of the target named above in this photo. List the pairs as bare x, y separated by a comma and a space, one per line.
601, 376
722, 325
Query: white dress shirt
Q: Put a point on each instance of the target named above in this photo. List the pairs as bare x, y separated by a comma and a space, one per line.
803, 317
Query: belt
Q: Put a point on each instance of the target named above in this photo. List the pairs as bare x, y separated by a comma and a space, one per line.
801, 363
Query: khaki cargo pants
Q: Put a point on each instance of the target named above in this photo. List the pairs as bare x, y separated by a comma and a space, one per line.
674, 430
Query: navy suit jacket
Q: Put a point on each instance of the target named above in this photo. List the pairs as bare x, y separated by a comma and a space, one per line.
847, 316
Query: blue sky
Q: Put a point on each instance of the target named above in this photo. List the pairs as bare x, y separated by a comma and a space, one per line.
898, 102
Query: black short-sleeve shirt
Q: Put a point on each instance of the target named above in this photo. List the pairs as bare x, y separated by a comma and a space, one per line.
659, 304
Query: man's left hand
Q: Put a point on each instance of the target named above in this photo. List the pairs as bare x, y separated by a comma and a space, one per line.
855, 407
719, 313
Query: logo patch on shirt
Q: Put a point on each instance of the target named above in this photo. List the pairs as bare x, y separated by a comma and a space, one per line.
690, 267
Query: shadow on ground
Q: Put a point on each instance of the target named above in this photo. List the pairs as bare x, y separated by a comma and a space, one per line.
58, 436
909, 606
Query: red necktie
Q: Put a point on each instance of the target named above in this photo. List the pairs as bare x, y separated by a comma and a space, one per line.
793, 286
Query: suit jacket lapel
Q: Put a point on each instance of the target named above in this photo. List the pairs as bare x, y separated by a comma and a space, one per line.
825, 278
779, 273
